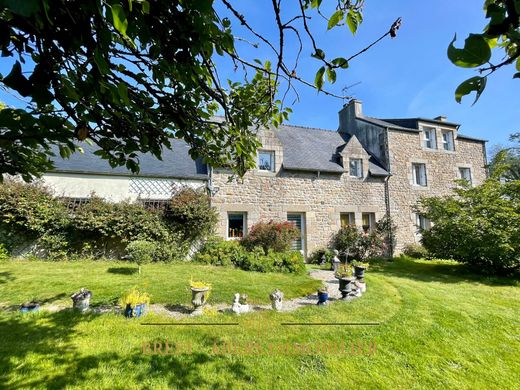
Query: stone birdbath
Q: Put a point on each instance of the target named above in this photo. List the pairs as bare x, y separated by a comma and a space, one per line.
199, 296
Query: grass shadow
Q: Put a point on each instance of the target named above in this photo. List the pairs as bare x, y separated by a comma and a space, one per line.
6, 277
122, 270
438, 271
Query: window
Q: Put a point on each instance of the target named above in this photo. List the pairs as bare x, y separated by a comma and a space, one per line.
447, 140
356, 167
154, 204
419, 174
236, 225
347, 219
465, 174
430, 141
298, 219
73, 203
266, 160
422, 222
368, 221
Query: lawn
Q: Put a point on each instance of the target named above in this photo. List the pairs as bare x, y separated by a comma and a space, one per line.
439, 327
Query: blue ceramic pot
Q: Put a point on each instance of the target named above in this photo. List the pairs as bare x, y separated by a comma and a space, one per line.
323, 298
136, 311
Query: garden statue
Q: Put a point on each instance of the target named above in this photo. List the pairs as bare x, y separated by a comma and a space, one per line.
238, 307
276, 299
335, 260
323, 259
81, 299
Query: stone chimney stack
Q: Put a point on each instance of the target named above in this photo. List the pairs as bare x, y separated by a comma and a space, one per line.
441, 118
347, 115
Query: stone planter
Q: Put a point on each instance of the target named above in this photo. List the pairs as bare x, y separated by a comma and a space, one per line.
81, 300
359, 271
198, 299
345, 286
136, 311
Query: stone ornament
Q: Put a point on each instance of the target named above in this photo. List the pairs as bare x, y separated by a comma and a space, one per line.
81, 299
276, 298
335, 260
198, 299
238, 307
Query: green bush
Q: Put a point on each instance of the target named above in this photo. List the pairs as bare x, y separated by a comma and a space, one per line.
170, 252
346, 239
190, 214
231, 253
141, 252
317, 255
4, 254
275, 236
415, 251
479, 226
27, 212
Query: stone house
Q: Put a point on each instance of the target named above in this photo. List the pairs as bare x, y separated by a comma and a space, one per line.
318, 179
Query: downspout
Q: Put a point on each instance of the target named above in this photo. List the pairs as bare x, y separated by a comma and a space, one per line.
387, 206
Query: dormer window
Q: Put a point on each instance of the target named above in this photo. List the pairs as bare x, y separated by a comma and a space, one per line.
447, 140
356, 167
266, 160
430, 140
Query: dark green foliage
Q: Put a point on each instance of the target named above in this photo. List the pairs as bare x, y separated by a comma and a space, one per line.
231, 253
4, 254
27, 212
275, 236
190, 214
507, 160
141, 252
346, 239
316, 257
504, 29
479, 226
415, 251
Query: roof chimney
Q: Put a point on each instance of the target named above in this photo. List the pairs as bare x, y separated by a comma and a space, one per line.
441, 118
348, 114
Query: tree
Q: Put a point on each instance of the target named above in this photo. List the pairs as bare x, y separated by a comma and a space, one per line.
479, 226
128, 75
507, 160
501, 34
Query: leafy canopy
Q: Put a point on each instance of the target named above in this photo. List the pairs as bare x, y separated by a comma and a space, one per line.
502, 33
128, 75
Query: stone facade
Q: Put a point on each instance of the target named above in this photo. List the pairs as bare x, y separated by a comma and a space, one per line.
321, 197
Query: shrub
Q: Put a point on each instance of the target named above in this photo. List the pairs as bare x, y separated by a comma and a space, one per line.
317, 255
190, 214
52, 247
169, 252
219, 252
141, 252
4, 254
275, 236
28, 211
346, 239
479, 226
415, 251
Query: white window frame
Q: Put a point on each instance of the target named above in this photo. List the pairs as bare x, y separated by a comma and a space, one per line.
302, 230
423, 177
272, 158
422, 223
358, 167
430, 136
244, 224
461, 176
449, 144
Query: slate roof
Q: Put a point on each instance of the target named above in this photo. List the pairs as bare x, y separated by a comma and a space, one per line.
176, 163
309, 149
384, 123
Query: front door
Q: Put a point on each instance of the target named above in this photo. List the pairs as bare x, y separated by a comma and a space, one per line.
298, 219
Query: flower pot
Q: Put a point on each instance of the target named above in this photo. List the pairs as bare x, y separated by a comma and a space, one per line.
323, 297
198, 299
359, 271
345, 285
136, 311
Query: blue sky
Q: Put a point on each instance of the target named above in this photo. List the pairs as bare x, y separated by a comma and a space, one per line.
409, 76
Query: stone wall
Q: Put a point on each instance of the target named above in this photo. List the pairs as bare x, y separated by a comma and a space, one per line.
442, 166
320, 197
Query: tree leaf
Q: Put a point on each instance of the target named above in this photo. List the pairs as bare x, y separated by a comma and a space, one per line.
331, 75
516, 75
320, 54
119, 18
318, 80
335, 19
476, 84
17, 81
341, 62
518, 64
476, 52
352, 22
24, 8
146, 7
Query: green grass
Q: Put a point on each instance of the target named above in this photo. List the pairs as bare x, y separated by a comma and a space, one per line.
440, 327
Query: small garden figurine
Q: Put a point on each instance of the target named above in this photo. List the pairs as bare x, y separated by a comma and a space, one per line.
335, 260
276, 298
239, 307
81, 299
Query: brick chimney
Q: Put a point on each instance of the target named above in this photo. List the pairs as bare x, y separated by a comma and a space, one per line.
348, 114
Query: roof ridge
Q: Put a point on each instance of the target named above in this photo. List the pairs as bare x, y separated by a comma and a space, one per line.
309, 128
